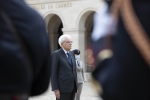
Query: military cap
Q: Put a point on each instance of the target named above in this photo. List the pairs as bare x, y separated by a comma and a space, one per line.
76, 51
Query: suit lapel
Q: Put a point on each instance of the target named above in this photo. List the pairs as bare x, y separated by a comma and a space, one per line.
64, 55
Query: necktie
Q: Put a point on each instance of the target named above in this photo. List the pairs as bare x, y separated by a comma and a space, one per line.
69, 58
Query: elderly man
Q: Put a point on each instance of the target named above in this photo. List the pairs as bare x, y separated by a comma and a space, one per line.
63, 76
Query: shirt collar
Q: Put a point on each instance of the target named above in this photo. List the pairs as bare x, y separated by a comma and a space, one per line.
65, 51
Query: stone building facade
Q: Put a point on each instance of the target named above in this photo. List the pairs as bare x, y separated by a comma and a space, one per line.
73, 17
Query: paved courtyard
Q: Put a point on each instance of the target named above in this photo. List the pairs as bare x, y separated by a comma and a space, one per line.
87, 94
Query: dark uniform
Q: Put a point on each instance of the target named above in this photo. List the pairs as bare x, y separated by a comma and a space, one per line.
125, 75
16, 78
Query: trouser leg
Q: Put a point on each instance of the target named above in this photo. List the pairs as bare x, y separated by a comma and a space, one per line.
80, 85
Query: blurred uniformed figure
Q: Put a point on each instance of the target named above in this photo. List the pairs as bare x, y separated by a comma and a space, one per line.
80, 73
121, 50
22, 36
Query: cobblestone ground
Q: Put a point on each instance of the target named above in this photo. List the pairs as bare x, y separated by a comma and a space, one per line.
87, 94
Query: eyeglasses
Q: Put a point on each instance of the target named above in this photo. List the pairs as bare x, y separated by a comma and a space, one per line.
69, 42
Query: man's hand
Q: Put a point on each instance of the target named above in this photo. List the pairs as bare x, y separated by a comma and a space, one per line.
76, 92
57, 94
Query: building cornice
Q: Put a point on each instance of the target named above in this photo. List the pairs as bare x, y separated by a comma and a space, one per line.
35, 2
72, 29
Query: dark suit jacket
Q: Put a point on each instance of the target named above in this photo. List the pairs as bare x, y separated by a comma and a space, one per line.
15, 75
63, 75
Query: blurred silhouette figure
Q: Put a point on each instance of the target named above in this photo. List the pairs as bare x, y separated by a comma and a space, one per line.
24, 52
80, 73
121, 50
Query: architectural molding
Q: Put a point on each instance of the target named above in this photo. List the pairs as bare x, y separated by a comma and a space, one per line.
80, 22
73, 29
53, 12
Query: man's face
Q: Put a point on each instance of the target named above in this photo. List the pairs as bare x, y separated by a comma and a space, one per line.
67, 44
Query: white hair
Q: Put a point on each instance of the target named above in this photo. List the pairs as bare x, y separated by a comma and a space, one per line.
62, 38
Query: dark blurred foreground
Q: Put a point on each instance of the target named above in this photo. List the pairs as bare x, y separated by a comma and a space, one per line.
122, 53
